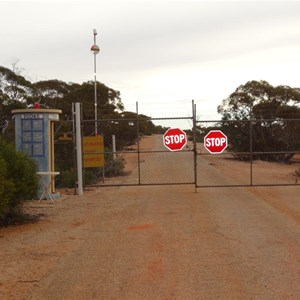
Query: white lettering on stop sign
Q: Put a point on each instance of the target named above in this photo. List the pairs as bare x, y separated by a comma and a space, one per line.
175, 139
215, 142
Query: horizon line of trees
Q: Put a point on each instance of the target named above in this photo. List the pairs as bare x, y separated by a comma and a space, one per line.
17, 92
252, 100
264, 119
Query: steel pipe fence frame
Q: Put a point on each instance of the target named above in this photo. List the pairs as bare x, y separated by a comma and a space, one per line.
196, 160
252, 153
139, 152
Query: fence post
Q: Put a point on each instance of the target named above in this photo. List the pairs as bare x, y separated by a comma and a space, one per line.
195, 145
78, 146
251, 147
114, 147
138, 141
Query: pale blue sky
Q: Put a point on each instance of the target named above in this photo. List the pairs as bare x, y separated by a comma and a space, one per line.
162, 53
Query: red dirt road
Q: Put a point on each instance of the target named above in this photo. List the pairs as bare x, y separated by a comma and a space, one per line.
158, 242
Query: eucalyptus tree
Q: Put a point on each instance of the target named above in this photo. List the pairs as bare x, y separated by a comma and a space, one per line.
272, 111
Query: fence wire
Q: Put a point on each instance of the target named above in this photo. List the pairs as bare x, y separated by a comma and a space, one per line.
140, 157
259, 152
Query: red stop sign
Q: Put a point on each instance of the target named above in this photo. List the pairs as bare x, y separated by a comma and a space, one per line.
215, 141
174, 139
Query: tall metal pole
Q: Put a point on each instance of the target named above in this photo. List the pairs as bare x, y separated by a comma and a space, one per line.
195, 145
95, 50
251, 145
138, 141
95, 83
76, 112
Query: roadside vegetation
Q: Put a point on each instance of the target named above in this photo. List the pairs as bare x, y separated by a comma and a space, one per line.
18, 182
17, 92
270, 110
17, 172
264, 114
269, 114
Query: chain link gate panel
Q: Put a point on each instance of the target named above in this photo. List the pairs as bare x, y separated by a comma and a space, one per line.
259, 153
141, 157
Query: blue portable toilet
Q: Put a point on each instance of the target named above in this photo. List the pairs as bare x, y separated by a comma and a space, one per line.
34, 135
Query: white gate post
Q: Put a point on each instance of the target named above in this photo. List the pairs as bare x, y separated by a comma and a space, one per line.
114, 147
78, 149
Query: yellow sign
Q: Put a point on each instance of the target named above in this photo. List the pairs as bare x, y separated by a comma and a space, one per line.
93, 151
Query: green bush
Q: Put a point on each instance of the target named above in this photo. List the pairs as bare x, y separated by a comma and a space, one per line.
18, 180
115, 167
66, 179
90, 176
6, 188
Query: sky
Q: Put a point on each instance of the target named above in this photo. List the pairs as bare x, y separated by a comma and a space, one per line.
162, 54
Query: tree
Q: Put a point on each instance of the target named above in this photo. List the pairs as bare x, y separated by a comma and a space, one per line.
18, 180
49, 93
108, 100
18, 92
14, 86
14, 91
270, 110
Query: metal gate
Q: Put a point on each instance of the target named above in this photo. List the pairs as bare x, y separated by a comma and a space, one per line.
260, 153
135, 154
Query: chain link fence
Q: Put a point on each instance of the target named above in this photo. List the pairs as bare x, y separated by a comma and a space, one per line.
64, 155
134, 153
259, 152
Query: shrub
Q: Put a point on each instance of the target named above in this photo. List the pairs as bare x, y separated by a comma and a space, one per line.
115, 167
17, 176
67, 179
6, 188
90, 177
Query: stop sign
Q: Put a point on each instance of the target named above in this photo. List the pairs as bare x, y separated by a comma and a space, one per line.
174, 139
215, 142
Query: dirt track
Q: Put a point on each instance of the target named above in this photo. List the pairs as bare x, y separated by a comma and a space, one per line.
158, 242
